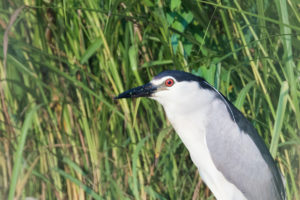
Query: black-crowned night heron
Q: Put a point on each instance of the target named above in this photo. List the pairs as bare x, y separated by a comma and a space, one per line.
231, 157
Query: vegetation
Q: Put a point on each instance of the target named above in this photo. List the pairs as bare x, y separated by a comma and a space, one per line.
64, 137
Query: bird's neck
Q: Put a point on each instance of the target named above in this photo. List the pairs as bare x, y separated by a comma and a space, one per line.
188, 105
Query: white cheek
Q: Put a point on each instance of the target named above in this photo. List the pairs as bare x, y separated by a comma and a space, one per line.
160, 96
183, 97
169, 96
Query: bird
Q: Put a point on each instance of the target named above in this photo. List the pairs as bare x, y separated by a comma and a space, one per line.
231, 157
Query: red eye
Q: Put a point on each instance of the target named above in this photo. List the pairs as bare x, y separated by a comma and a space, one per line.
169, 82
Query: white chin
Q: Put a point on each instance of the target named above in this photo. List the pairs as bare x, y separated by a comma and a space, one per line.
157, 98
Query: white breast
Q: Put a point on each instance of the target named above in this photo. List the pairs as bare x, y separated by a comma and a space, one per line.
191, 130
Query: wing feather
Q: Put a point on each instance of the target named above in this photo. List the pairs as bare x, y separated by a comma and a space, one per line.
241, 155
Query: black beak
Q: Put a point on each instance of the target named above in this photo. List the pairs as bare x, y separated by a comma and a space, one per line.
141, 91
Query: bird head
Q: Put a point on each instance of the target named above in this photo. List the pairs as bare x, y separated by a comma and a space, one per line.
169, 88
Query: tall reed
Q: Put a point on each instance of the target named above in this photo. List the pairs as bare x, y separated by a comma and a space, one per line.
64, 137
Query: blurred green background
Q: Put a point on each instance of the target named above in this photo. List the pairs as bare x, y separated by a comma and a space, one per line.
62, 136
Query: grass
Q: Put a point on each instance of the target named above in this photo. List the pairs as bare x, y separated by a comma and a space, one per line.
64, 137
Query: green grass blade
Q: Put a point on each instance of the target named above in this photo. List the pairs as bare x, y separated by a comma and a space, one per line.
135, 169
242, 95
91, 50
280, 112
289, 62
20, 147
79, 184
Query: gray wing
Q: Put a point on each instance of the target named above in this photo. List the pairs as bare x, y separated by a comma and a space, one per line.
240, 154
